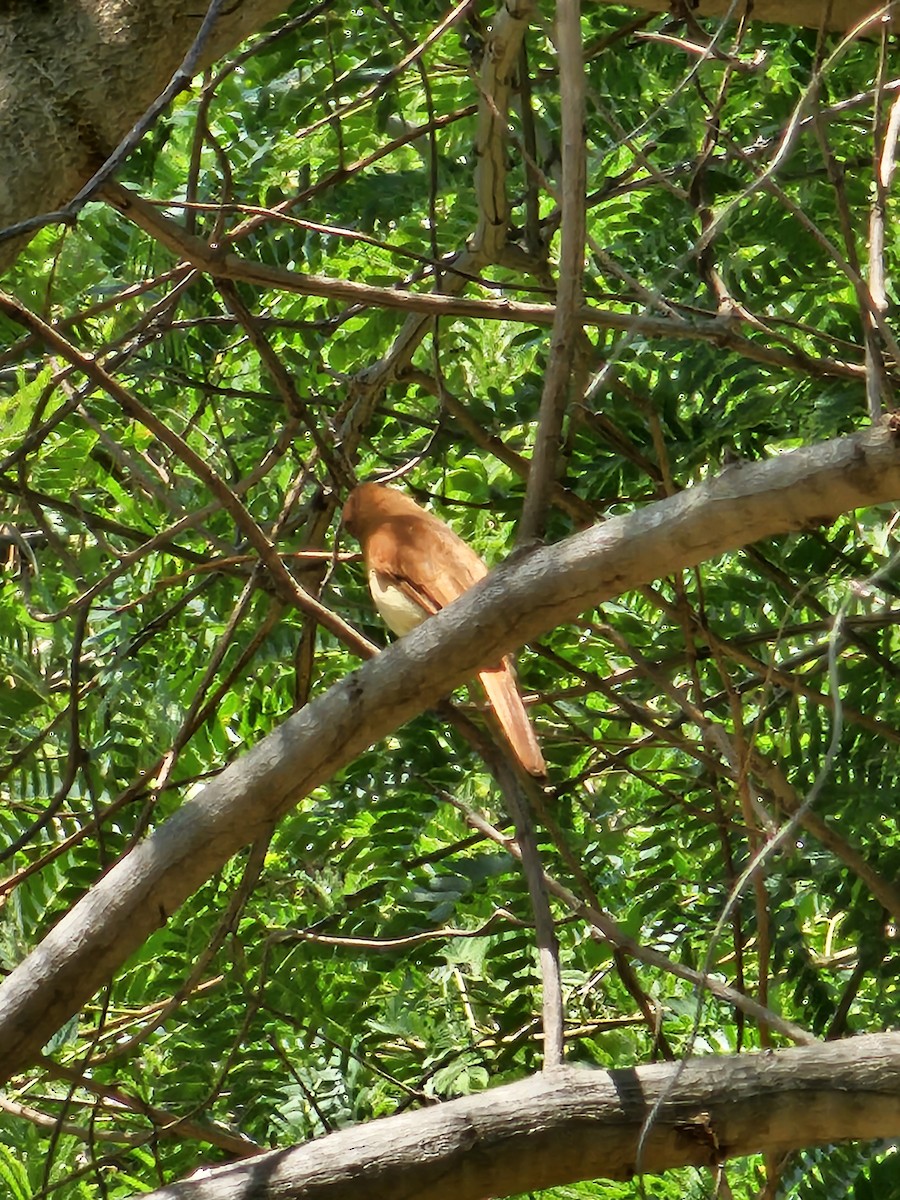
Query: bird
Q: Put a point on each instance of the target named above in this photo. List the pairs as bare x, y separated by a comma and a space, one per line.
416, 565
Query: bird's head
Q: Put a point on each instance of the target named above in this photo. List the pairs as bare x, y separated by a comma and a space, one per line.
368, 505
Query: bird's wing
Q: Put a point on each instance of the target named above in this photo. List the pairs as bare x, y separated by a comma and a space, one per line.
424, 558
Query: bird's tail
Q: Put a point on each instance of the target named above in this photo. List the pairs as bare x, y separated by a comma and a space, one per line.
500, 685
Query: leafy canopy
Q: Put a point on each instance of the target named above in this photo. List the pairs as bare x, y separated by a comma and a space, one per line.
378, 952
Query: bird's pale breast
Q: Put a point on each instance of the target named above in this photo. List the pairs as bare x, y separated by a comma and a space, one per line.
398, 610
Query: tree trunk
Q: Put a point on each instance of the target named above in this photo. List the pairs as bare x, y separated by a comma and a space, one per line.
74, 78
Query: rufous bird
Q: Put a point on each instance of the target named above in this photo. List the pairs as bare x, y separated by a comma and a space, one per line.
417, 565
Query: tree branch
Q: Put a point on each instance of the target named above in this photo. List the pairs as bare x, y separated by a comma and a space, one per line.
561, 378
575, 1124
